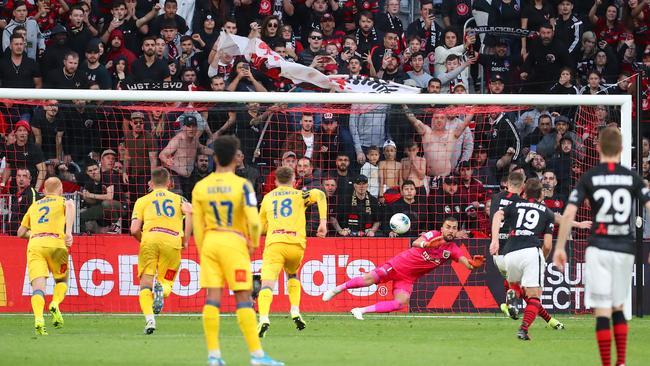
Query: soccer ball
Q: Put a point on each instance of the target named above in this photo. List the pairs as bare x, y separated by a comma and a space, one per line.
400, 223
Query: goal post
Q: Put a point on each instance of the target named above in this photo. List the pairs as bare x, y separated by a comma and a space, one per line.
104, 267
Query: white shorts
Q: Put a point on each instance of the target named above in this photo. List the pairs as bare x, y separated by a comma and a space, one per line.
608, 277
526, 267
500, 263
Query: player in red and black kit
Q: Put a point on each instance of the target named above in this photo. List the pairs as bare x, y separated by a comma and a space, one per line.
611, 190
526, 219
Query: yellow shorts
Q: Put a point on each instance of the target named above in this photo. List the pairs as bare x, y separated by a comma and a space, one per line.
225, 258
279, 256
43, 260
159, 258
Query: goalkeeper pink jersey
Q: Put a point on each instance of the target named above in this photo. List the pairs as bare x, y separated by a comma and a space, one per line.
416, 262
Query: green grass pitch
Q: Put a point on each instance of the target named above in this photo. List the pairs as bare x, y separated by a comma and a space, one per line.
328, 340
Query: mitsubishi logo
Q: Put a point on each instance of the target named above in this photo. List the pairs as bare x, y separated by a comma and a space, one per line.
445, 296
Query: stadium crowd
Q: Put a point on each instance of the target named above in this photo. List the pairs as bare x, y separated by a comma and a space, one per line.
370, 162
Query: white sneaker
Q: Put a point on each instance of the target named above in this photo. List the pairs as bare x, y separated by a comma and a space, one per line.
150, 327
357, 313
115, 228
329, 294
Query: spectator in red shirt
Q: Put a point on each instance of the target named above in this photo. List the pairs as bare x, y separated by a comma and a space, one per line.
470, 189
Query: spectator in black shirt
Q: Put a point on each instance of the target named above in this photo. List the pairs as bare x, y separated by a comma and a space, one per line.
48, 128
101, 206
426, 28
170, 8
546, 57
16, 69
201, 170
553, 200
456, 12
78, 33
360, 215
249, 172
412, 206
69, 76
95, 71
344, 177
149, 68
23, 154
445, 202
130, 27
500, 63
390, 19
23, 195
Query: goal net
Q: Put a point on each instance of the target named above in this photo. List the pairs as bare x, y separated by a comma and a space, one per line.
374, 155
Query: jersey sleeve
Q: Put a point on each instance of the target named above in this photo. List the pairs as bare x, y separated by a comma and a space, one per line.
317, 196
26, 221
507, 212
263, 212
430, 235
198, 221
550, 222
641, 191
456, 253
252, 216
579, 193
494, 207
138, 210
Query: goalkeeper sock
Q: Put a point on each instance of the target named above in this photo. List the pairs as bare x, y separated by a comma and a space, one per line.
356, 282
532, 308
604, 338
382, 307
38, 303
264, 300
211, 326
248, 326
146, 302
59, 293
293, 286
620, 336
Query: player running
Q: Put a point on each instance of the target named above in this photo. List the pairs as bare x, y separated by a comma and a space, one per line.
161, 240
610, 188
227, 232
429, 251
513, 293
282, 215
524, 260
48, 226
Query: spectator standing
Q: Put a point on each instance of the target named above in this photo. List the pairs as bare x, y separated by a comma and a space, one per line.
22, 196
344, 177
569, 27
389, 19
48, 128
141, 156
34, 40
79, 35
101, 204
371, 170
426, 28
249, 172
553, 200
94, 70
410, 204
17, 70
24, 154
148, 68
546, 57
180, 153
303, 141
306, 177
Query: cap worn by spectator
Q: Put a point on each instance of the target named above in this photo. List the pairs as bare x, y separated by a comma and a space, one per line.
208, 17
361, 179
449, 180
496, 77
328, 118
24, 124
562, 119
136, 115
289, 154
109, 152
189, 121
501, 42
460, 85
389, 143
465, 164
93, 46
58, 29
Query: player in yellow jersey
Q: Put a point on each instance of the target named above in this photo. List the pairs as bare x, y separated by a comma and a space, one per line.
227, 232
48, 225
282, 214
157, 223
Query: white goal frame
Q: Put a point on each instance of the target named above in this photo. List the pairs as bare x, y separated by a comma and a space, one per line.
622, 101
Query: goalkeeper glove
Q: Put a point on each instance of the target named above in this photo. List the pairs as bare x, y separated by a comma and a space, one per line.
477, 261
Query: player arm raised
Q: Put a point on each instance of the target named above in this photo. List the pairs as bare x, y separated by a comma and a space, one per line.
70, 215
427, 240
496, 225
321, 200
186, 207
419, 126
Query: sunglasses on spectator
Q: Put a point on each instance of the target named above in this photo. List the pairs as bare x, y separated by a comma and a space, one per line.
272, 25
316, 38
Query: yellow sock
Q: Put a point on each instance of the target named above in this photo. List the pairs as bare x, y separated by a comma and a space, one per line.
146, 301
38, 303
264, 300
211, 326
248, 326
59, 293
293, 285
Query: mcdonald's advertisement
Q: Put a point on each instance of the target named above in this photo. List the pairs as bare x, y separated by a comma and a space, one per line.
103, 278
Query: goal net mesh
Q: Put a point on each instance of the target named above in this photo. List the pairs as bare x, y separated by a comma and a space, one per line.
427, 161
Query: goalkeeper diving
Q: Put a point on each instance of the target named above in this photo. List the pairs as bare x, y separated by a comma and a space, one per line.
427, 252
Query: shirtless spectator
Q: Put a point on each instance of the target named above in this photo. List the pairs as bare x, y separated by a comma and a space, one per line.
439, 143
180, 154
389, 170
414, 168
